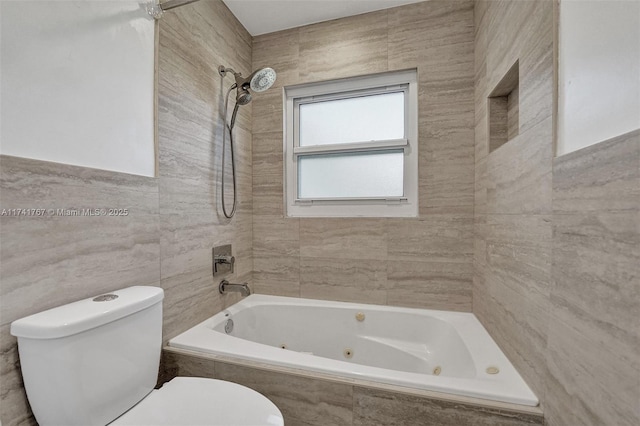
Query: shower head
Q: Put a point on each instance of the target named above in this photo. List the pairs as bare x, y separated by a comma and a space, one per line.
258, 81
243, 97
262, 79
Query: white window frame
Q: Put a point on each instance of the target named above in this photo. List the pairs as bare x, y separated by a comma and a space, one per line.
404, 206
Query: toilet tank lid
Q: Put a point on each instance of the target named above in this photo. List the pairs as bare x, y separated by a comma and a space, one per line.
86, 314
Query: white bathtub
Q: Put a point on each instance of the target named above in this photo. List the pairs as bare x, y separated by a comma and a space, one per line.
440, 351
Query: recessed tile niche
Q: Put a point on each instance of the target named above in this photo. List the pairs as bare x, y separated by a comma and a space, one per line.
504, 109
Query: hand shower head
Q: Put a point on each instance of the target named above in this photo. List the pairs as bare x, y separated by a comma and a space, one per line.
262, 79
243, 97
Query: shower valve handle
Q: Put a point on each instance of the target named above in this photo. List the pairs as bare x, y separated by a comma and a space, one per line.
223, 260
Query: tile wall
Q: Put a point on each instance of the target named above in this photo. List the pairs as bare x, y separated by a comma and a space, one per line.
174, 219
194, 41
424, 262
49, 261
593, 340
512, 219
556, 261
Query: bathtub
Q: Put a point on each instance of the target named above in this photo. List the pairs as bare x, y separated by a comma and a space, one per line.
439, 351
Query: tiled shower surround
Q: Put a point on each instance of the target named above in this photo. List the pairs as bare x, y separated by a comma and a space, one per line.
557, 240
545, 251
421, 262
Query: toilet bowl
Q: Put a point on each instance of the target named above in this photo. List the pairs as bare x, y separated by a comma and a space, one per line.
193, 401
95, 362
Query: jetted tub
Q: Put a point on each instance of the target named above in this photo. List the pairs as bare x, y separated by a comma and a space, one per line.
441, 351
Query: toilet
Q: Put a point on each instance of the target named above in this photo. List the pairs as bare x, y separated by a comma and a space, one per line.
95, 362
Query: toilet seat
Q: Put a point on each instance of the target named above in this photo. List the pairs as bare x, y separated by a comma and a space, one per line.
194, 401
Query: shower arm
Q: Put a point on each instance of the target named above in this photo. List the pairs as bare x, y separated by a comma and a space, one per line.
157, 9
222, 70
241, 82
172, 4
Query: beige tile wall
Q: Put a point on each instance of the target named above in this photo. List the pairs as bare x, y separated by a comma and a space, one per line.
593, 345
194, 40
49, 261
423, 262
174, 219
512, 220
556, 260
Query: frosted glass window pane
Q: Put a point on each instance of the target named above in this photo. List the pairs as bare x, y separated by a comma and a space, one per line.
361, 119
352, 175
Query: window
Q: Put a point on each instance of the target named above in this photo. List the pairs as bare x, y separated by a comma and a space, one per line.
351, 147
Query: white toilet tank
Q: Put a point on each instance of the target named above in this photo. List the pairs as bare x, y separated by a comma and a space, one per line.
88, 362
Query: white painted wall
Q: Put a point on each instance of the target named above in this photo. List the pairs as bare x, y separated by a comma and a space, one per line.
599, 71
77, 82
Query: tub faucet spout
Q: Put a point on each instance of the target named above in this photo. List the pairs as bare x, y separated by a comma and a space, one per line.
227, 287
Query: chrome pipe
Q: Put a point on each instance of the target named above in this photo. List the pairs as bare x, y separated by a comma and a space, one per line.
172, 4
227, 287
157, 9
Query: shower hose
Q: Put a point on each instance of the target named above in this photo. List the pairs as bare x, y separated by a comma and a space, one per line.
229, 127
